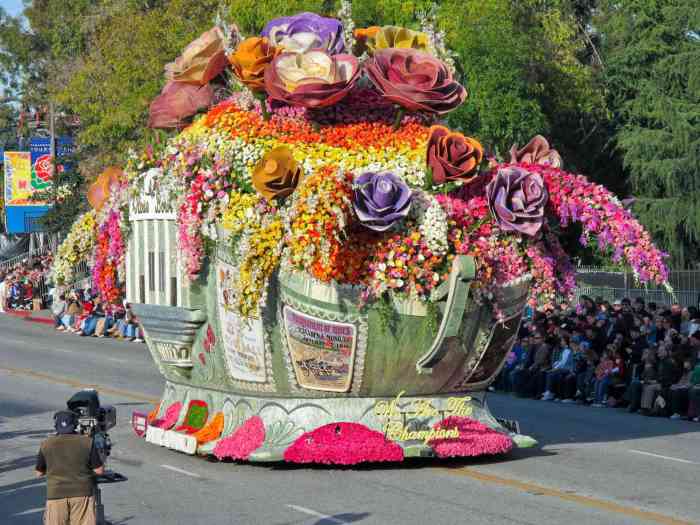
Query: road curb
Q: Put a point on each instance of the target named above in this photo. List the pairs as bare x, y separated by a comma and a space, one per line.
27, 316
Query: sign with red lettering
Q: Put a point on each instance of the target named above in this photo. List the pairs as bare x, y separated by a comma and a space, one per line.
322, 352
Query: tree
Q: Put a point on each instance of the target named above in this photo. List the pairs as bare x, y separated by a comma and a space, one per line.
651, 50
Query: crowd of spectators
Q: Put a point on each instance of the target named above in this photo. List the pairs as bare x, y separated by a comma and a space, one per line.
23, 286
83, 314
634, 355
26, 286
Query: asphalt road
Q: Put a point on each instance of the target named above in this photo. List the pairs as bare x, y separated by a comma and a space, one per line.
593, 466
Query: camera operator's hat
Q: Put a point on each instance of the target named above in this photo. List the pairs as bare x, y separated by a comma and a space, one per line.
65, 422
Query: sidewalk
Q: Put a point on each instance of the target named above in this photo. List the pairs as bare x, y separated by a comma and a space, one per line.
41, 316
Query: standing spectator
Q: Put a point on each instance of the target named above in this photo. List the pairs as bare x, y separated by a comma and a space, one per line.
58, 309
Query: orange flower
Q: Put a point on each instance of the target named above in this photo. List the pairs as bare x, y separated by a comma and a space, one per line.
277, 174
452, 156
249, 61
99, 191
363, 33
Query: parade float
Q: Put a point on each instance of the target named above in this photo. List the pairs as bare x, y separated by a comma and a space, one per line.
324, 271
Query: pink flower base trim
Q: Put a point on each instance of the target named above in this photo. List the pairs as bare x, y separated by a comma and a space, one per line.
475, 439
245, 440
343, 444
170, 418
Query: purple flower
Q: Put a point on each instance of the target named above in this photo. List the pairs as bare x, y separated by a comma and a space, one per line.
381, 199
306, 31
517, 199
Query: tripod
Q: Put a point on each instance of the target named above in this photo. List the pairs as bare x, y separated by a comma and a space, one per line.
108, 477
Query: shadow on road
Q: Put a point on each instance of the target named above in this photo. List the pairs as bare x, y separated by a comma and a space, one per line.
27, 434
557, 424
24, 462
22, 503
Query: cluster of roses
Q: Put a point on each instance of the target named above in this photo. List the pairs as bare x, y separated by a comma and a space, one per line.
302, 60
305, 61
304, 133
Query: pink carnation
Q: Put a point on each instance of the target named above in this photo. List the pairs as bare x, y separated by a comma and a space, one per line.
343, 444
475, 439
245, 440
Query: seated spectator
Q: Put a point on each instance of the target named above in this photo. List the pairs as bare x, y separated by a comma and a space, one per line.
617, 379
561, 368
90, 323
679, 392
694, 394
633, 395
602, 376
72, 310
514, 358
537, 358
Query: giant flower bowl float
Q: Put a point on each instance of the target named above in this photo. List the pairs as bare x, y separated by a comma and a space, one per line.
351, 273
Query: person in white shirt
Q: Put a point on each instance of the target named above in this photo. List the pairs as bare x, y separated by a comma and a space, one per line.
3, 293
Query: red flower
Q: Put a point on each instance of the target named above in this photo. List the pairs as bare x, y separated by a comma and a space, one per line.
415, 80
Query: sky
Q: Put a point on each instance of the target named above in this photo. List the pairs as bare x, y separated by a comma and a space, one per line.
14, 7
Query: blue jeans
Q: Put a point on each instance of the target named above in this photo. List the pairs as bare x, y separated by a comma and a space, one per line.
601, 388
554, 378
89, 325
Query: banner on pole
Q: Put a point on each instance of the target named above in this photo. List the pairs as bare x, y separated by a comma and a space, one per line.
18, 178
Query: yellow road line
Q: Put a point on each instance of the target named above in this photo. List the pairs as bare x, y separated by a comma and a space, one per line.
585, 501
77, 384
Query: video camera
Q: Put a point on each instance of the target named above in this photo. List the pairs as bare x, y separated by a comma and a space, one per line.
94, 419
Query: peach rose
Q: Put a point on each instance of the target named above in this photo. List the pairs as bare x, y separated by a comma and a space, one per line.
201, 61
277, 174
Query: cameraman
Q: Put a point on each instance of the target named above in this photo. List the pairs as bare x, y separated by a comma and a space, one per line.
70, 463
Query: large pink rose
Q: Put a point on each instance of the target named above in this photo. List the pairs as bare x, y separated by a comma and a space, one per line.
177, 102
537, 151
415, 80
313, 79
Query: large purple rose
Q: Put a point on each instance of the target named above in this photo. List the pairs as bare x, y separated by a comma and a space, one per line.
381, 199
517, 199
306, 31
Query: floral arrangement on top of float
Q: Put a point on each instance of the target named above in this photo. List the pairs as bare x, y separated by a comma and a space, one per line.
332, 159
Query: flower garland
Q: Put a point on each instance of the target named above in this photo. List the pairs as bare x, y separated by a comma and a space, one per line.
75, 248
256, 234
317, 219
